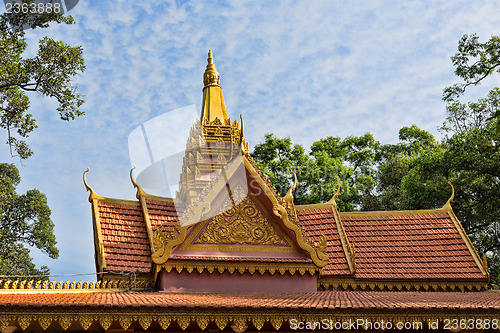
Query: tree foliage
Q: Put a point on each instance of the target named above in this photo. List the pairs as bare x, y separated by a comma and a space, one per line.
49, 73
24, 220
474, 62
350, 161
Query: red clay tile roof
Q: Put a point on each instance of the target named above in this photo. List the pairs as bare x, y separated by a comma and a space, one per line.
389, 245
409, 247
321, 221
125, 240
314, 300
161, 213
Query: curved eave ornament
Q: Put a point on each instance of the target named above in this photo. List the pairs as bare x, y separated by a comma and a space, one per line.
333, 199
317, 253
140, 192
450, 200
93, 195
289, 196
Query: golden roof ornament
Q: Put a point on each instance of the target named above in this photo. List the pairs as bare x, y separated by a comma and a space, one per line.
211, 76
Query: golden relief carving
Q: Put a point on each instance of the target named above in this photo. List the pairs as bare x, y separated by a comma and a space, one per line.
202, 322
24, 321
242, 267
276, 321
339, 284
183, 322
221, 322
125, 322
239, 320
164, 322
240, 323
86, 322
258, 322
145, 322
65, 322
45, 322
4, 321
105, 321
241, 224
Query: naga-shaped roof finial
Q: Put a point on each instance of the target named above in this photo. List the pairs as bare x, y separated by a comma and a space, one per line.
336, 195
140, 191
289, 196
450, 200
93, 194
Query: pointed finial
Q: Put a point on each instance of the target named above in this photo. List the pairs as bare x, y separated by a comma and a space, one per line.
93, 195
140, 192
289, 196
450, 200
211, 76
336, 195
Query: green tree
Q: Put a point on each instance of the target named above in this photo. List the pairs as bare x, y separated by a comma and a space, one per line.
474, 62
49, 73
350, 160
474, 145
25, 219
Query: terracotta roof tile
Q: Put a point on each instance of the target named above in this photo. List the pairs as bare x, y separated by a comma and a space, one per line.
411, 247
124, 224
325, 299
161, 213
321, 221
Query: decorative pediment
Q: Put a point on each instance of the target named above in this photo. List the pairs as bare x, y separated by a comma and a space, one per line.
242, 224
244, 227
251, 221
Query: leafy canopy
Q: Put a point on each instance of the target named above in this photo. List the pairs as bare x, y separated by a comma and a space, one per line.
49, 73
24, 219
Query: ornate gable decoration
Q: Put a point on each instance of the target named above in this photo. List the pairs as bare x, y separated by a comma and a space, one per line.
242, 224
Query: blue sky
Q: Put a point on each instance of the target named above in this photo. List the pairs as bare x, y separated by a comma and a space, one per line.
304, 69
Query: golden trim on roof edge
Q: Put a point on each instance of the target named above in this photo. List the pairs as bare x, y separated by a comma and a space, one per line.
447, 205
141, 196
353, 284
100, 259
349, 251
235, 319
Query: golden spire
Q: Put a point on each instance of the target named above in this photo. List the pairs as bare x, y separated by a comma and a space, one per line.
213, 101
211, 76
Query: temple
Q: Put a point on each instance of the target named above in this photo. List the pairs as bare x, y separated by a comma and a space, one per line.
228, 253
